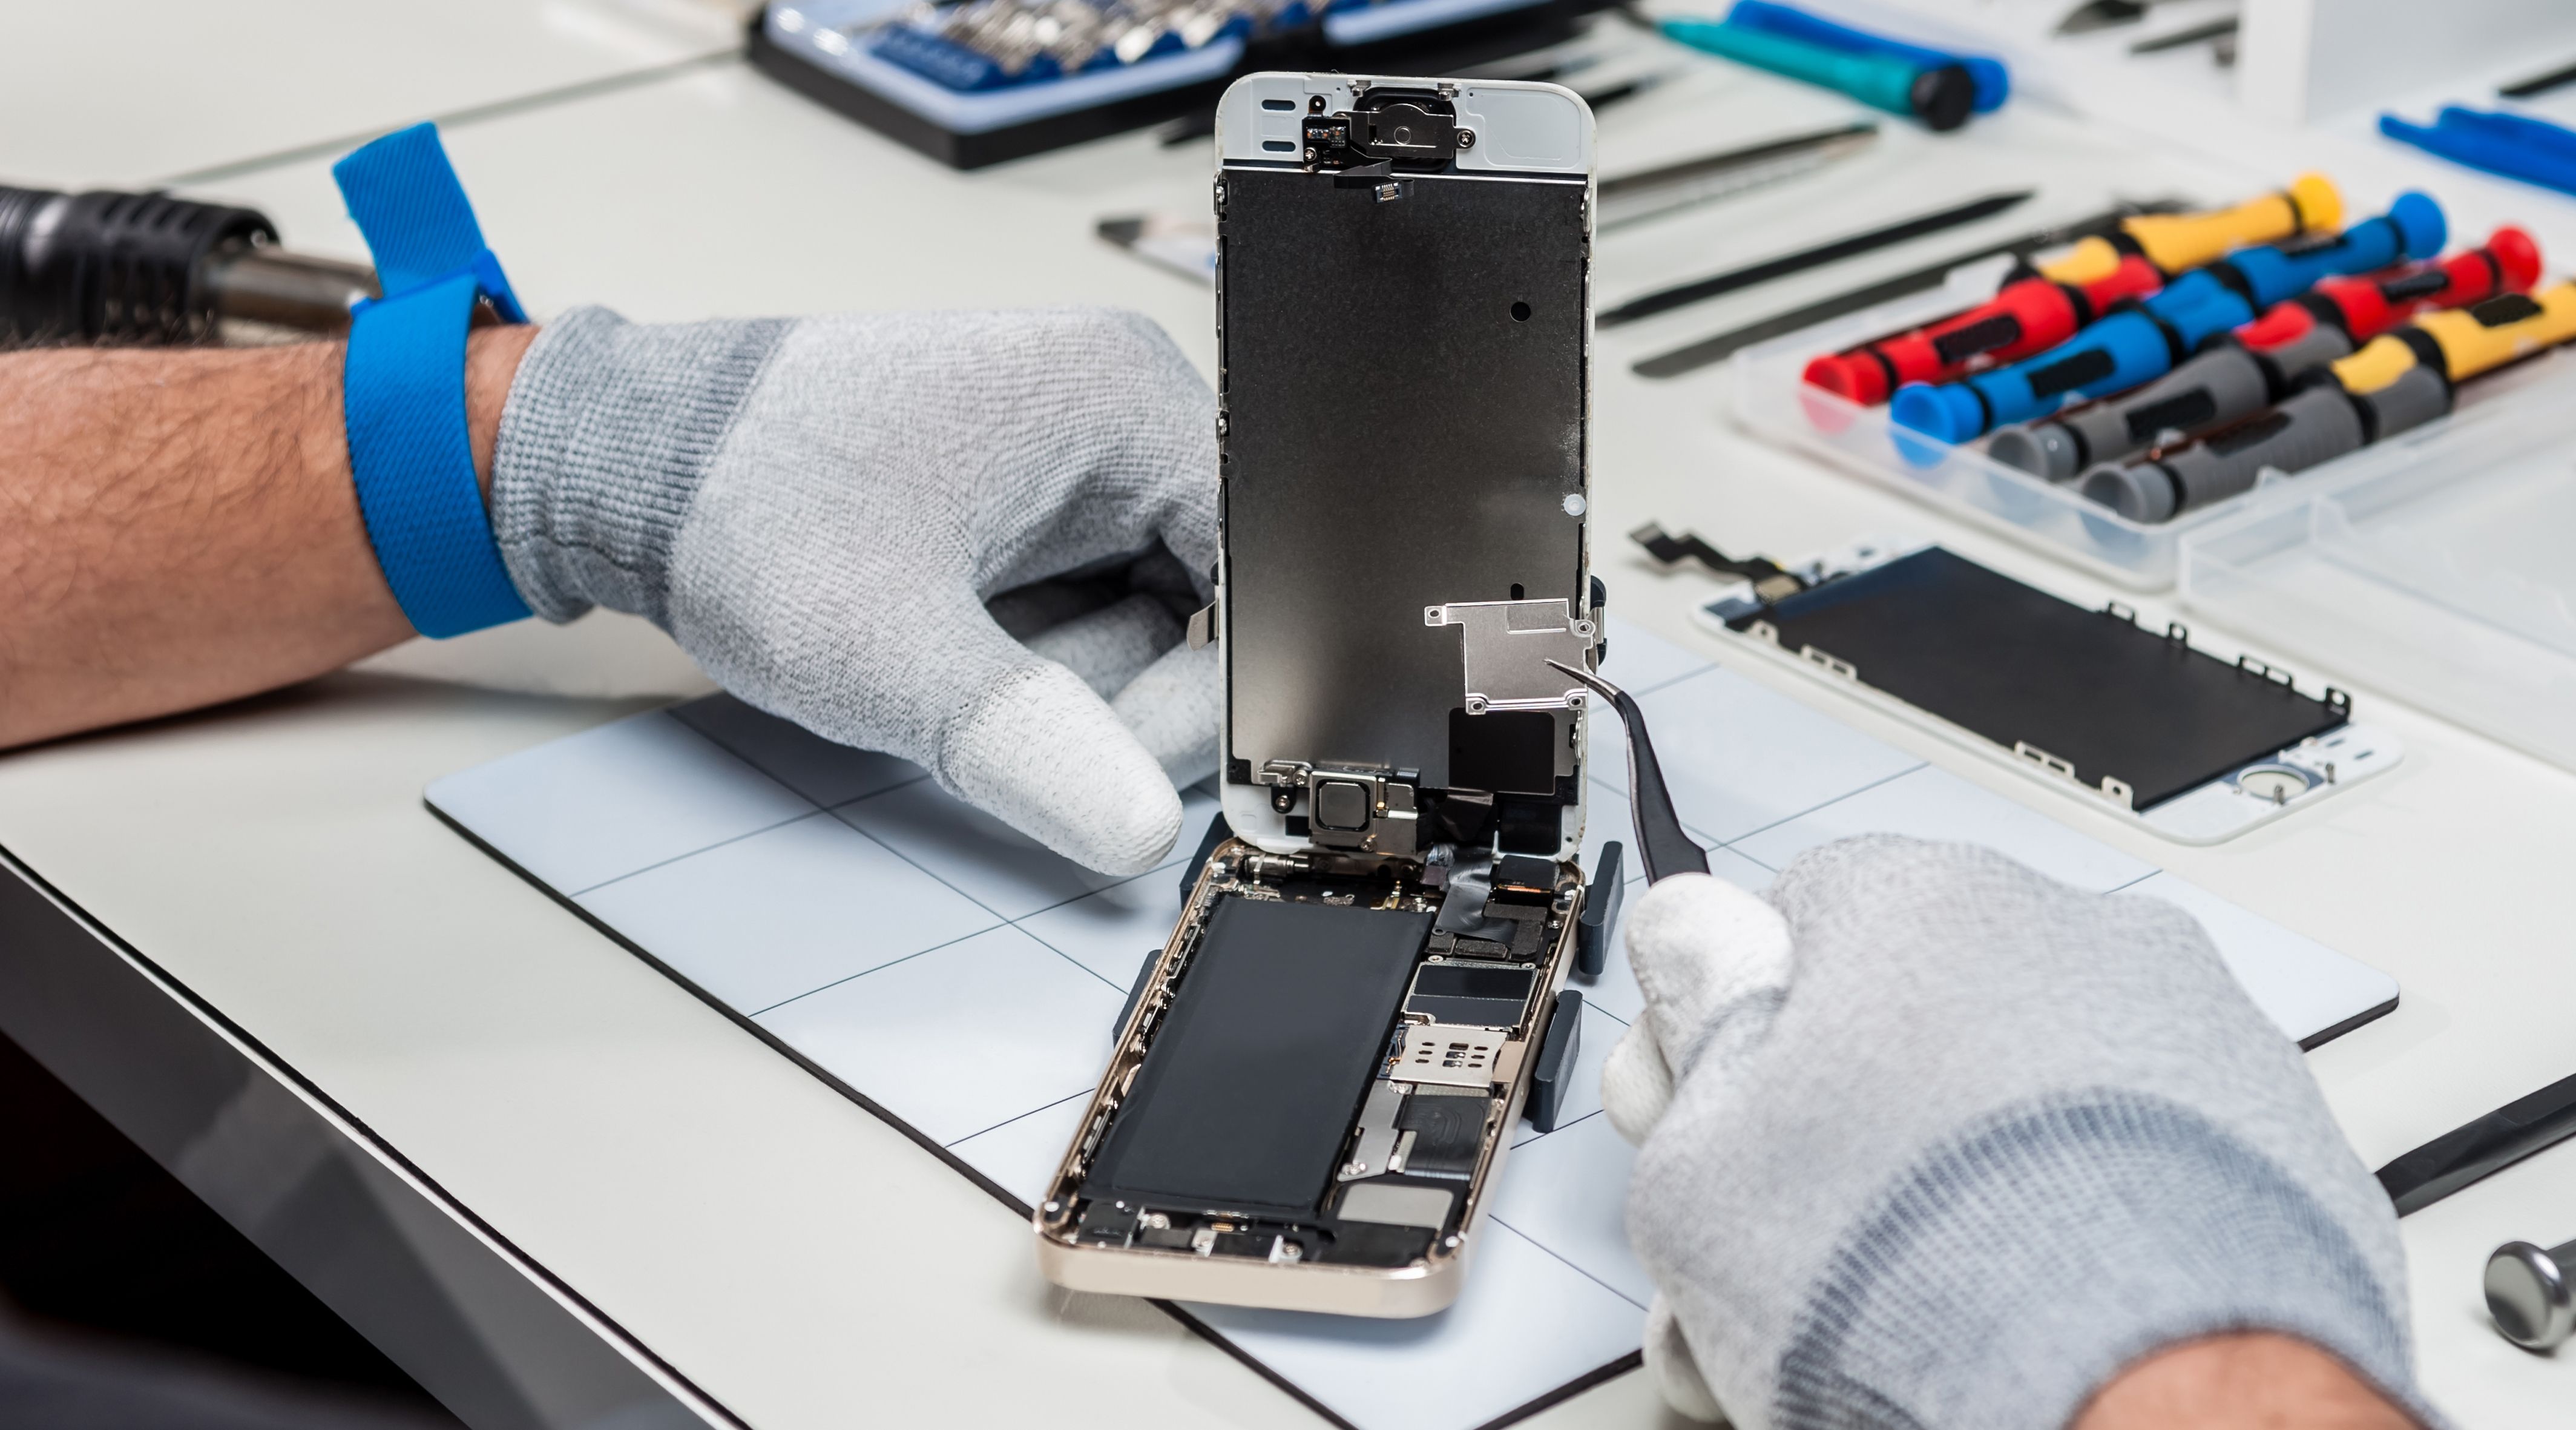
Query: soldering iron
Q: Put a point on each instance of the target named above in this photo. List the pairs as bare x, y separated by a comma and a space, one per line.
105, 267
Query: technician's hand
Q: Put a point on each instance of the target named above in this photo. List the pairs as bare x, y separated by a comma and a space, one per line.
819, 511
1929, 1140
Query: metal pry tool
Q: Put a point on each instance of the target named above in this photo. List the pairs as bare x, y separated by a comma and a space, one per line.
1650, 193
1661, 844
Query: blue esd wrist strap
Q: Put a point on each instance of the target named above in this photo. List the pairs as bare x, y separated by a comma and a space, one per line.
404, 385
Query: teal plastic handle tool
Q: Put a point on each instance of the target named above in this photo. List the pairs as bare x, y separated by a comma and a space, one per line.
1942, 96
1993, 81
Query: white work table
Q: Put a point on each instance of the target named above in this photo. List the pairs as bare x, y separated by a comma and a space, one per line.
768, 1247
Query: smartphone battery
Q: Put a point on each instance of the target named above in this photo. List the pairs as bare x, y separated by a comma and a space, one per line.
1247, 1094
2046, 677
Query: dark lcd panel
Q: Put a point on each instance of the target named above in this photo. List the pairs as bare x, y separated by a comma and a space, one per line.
1403, 383
2019, 666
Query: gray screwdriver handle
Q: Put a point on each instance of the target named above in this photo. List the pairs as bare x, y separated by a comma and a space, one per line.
2315, 426
2216, 387
2319, 347
2312, 428
2418, 396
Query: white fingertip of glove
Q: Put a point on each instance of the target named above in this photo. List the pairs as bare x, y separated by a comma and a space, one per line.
1636, 1084
1174, 708
1111, 646
1713, 961
1048, 757
1674, 1370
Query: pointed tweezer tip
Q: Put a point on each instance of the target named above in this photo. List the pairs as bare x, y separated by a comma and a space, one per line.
1600, 687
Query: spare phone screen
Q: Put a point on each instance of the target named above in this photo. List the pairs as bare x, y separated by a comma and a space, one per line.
2033, 673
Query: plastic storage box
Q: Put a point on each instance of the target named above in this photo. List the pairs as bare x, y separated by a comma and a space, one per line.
1772, 401
2441, 569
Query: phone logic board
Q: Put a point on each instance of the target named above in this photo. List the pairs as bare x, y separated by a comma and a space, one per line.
1335, 1089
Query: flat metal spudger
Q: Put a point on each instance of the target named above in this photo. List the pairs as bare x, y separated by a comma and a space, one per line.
1661, 845
1664, 300
1652, 193
2481, 1148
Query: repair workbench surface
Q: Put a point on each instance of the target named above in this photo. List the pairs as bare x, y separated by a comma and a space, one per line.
794, 1259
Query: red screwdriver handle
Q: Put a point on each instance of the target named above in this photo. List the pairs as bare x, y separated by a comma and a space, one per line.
2027, 316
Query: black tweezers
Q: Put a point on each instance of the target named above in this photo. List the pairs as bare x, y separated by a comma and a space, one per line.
1661, 845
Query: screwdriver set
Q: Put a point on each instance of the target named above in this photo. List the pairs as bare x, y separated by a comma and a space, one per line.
2110, 399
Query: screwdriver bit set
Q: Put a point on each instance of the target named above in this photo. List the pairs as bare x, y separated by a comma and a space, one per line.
976, 82
990, 44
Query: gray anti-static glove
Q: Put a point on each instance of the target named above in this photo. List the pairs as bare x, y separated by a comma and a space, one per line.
1931, 1141
960, 538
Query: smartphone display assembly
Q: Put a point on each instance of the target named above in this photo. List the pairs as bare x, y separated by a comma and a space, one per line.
1319, 1076
2139, 721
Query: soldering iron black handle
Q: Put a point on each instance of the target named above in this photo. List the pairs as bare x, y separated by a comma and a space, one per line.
106, 267
1661, 845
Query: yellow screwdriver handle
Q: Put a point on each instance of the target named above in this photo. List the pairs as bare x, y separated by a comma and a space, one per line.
2175, 242
2090, 261
2381, 361
2484, 336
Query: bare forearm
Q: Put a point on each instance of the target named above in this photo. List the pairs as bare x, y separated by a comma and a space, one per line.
179, 528
2240, 1382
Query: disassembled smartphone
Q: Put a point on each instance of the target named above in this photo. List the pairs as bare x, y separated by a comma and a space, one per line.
1320, 1075
2195, 747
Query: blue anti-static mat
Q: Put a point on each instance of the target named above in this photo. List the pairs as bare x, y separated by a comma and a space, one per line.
961, 982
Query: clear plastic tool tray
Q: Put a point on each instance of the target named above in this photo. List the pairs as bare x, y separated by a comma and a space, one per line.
1772, 401
2441, 569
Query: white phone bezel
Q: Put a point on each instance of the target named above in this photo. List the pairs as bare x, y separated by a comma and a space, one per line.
1522, 127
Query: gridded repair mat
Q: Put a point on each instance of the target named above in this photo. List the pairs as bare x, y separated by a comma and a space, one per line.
962, 983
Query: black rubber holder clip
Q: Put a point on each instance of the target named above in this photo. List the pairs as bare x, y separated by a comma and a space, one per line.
1600, 911
1557, 1052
